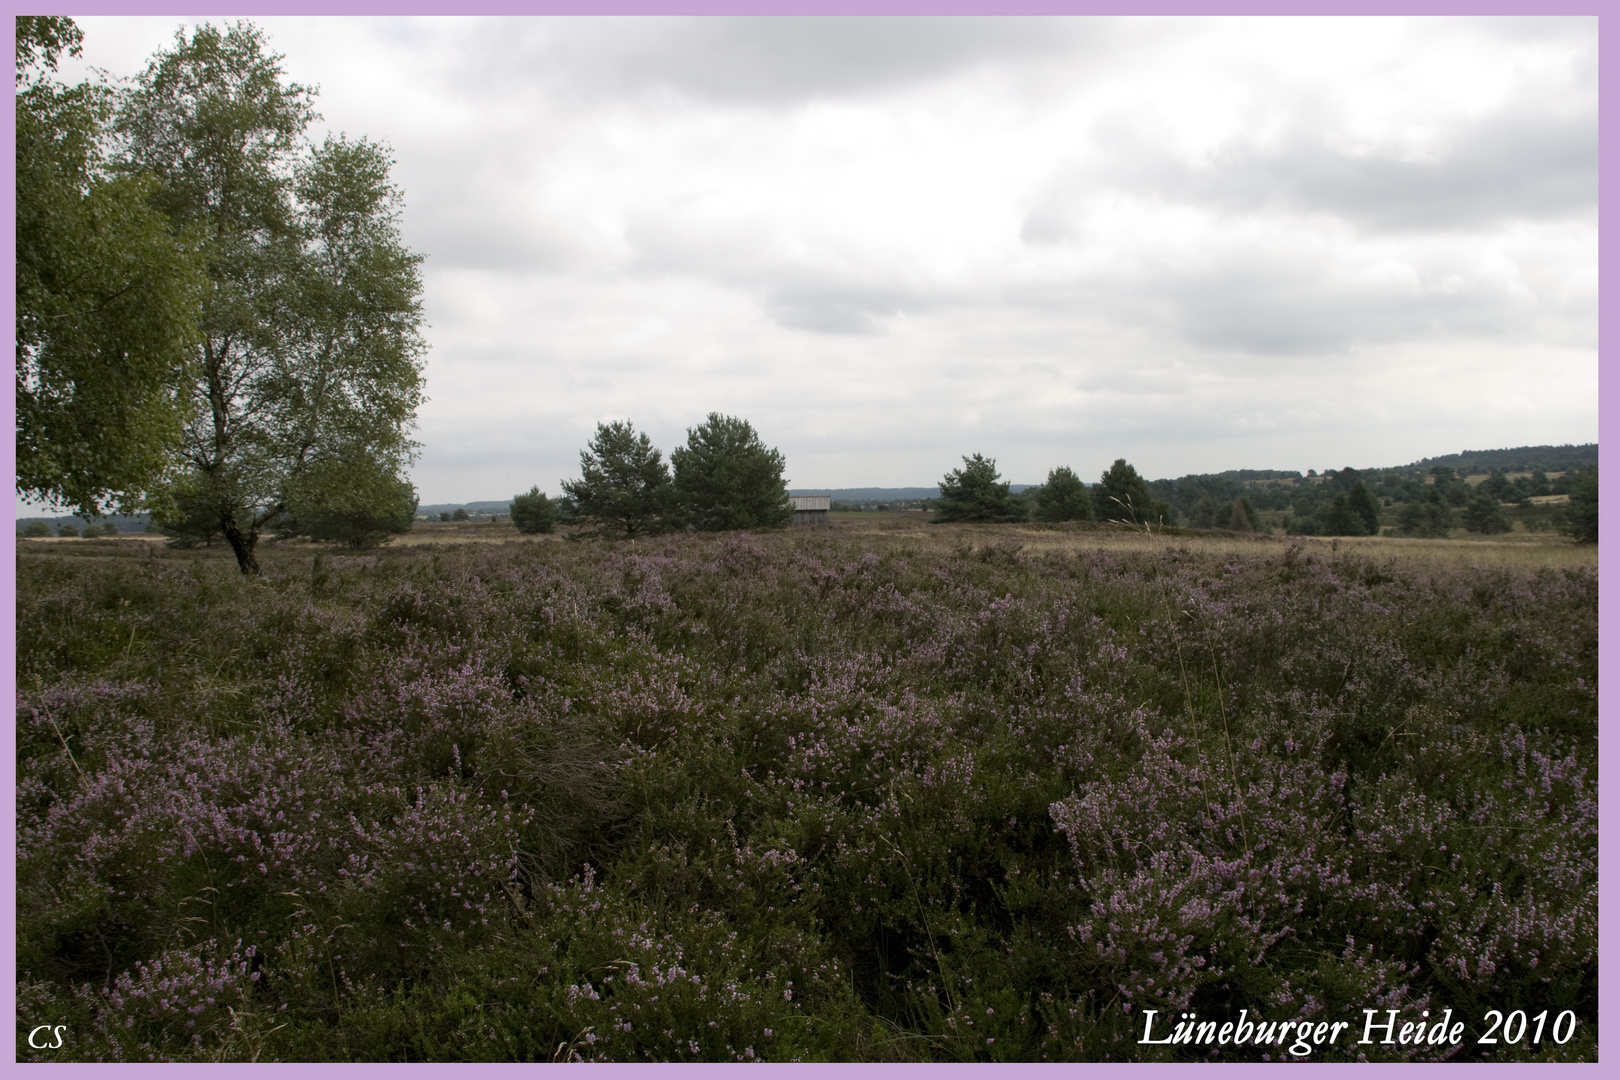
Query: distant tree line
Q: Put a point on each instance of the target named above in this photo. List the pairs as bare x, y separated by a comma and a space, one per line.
1340, 502
976, 492
39, 529
1520, 459
723, 478
881, 505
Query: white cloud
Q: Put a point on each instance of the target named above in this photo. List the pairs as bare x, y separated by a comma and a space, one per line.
1198, 244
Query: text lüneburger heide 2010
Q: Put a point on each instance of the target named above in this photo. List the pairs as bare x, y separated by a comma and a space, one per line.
1378, 1027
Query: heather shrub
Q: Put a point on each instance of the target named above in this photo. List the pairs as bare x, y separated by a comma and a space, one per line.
797, 797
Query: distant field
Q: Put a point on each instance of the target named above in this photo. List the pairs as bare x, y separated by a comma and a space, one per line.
1520, 547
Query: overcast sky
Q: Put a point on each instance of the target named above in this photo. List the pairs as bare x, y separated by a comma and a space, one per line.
1196, 244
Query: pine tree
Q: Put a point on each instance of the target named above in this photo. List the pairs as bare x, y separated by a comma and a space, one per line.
726, 478
1365, 506
534, 512
975, 492
1122, 495
1583, 507
1063, 497
624, 485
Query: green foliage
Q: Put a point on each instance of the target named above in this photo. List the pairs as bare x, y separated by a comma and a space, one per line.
107, 296
1583, 507
1564, 458
42, 39
624, 486
1365, 506
1339, 519
1424, 518
349, 499
459, 515
37, 529
310, 328
66, 528
192, 515
534, 513
726, 478
1063, 497
975, 492
1483, 514
1122, 495
1238, 515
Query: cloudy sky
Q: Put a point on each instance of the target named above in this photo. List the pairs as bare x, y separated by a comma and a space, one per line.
1196, 244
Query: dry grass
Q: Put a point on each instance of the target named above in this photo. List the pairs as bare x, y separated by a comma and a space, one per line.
1519, 549
1522, 549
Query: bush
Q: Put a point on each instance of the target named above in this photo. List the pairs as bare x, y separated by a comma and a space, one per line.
1483, 514
1424, 518
1364, 505
1238, 515
1582, 523
36, 529
352, 500
534, 512
1063, 497
1340, 519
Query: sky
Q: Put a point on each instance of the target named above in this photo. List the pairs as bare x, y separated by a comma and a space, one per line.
1198, 244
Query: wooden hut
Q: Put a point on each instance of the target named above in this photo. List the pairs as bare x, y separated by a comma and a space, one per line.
811, 510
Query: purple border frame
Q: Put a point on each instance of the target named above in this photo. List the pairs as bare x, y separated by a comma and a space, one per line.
1608, 416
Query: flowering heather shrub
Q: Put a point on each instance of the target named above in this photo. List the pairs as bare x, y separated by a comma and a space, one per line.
798, 797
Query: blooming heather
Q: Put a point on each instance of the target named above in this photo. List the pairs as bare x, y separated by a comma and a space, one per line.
789, 796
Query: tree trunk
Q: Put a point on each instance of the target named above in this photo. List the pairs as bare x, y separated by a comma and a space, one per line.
243, 546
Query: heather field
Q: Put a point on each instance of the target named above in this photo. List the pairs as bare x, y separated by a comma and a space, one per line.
891, 792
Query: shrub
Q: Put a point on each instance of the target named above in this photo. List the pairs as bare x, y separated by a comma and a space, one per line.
1339, 518
1424, 518
1063, 497
1483, 514
1363, 504
534, 512
1582, 523
350, 500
